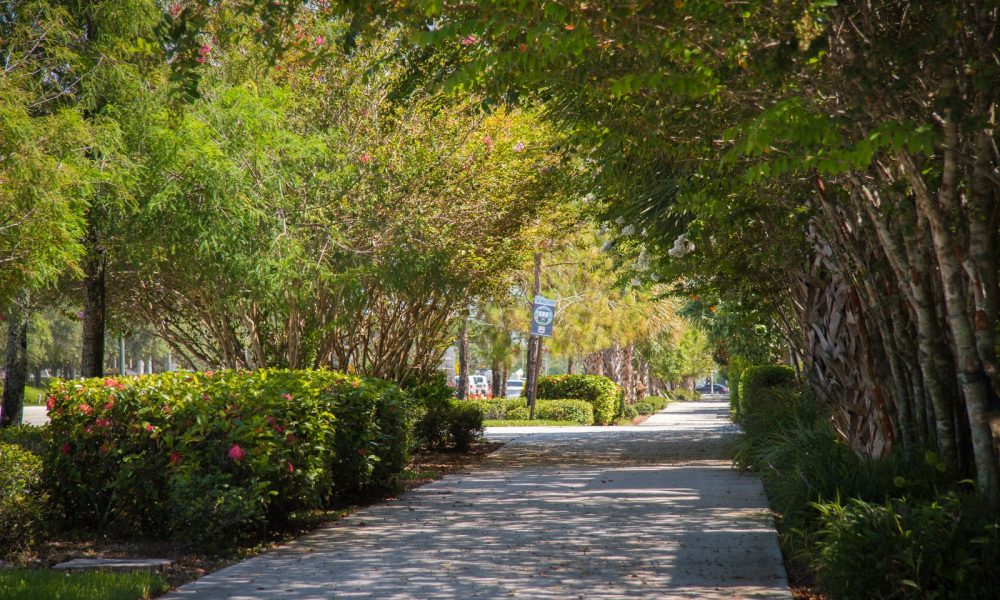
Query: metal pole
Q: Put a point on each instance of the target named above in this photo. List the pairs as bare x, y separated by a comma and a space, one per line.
121, 353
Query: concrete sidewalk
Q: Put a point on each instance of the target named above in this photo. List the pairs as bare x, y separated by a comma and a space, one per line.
652, 511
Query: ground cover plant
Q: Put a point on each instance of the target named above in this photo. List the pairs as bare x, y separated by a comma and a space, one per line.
893, 527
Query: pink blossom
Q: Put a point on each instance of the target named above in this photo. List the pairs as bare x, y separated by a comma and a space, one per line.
175, 458
150, 428
103, 422
50, 403
66, 448
109, 404
365, 158
519, 147
469, 40
320, 40
86, 409
488, 142
236, 453
288, 397
176, 9
291, 467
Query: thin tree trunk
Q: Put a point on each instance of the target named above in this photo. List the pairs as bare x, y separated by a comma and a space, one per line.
569, 365
628, 371
92, 356
972, 378
534, 348
16, 375
497, 384
463, 358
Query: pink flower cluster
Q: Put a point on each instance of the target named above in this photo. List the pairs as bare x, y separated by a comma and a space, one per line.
236, 453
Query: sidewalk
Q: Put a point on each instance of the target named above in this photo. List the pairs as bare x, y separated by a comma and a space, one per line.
651, 511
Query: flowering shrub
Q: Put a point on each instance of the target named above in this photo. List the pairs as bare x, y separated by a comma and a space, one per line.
603, 394
210, 457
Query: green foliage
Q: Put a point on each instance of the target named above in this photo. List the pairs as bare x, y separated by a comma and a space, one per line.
443, 421
25, 584
651, 405
682, 394
603, 394
575, 411
22, 498
756, 385
629, 412
31, 438
212, 457
942, 547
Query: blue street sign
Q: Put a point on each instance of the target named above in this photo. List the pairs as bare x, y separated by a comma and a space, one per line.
542, 315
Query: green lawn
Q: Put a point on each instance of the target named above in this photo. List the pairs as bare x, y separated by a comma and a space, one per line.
34, 395
29, 584
527, 423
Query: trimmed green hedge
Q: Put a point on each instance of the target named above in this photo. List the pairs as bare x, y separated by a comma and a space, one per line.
443, 421
651, 405
209, 458
684, 395
606, 397
577, 411
22, 499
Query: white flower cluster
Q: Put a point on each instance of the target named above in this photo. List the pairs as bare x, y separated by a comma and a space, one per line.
681, 247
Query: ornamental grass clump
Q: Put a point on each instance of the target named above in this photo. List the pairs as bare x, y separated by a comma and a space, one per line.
211, 458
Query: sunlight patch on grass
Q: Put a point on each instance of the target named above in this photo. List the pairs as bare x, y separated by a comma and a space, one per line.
31, 584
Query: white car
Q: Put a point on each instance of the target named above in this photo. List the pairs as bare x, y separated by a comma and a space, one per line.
477, 384
514, 387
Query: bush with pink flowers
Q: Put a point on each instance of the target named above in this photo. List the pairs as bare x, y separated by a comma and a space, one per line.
212, 457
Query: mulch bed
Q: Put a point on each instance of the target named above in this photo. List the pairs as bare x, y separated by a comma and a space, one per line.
189, 564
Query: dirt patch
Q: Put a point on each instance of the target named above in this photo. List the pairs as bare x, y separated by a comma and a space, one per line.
189, 564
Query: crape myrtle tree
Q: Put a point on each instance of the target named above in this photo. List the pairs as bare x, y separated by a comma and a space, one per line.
317, 219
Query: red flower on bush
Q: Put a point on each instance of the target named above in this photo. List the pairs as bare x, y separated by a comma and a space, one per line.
109, 404
291, 467
66, 448
175, 458
86, 409
288, 397
150, 428
365, 158
50, 403
103, 422
236, 453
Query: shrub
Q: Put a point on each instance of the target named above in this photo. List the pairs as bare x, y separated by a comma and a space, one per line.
604, 395
629, 412
939, 548
209, 458
465, 424
756, 386
442, 420
644, 408
22, 498
31, 438
577, 411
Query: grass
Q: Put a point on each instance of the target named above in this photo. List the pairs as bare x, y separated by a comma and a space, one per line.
527, 423
28, 584
34, 396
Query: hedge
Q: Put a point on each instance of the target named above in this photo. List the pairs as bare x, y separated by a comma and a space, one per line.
209, 458
604, 395
577, 411
22, 499
758, 385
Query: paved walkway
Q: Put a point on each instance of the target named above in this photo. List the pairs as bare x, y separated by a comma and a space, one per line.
650, 511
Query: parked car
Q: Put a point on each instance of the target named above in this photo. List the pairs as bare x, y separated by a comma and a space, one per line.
514, 387
477, 384
712, 389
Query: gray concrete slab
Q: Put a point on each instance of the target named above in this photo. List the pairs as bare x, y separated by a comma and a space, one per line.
114, 564
35, 415
651, 511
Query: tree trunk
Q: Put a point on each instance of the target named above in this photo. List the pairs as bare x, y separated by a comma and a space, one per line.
569, 365
497, 383
534, 348
38, 377
17, 362
92, 356
628, 380
974, 382
463, 358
